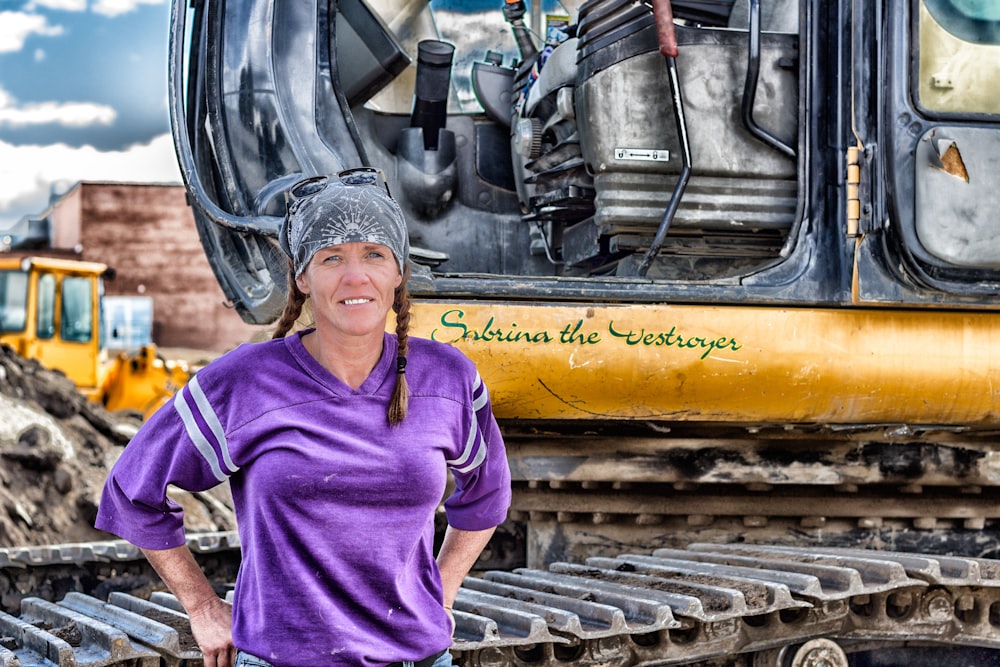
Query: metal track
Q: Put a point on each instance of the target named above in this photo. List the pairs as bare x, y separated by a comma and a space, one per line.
744, 604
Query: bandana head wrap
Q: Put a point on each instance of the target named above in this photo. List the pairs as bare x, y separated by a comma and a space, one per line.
353, 206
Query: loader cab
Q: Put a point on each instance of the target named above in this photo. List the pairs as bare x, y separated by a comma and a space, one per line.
50, 310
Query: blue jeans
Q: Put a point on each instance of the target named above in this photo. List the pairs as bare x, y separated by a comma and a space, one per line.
247, 660
443, 661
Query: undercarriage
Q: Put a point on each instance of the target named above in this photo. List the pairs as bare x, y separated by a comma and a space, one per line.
707, 604
602, 490
639, 545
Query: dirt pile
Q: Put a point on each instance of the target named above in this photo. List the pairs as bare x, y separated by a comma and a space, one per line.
56, 448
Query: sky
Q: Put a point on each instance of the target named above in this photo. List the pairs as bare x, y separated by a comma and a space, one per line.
83, 97
83, 93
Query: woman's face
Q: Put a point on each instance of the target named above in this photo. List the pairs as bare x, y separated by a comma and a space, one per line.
352, 286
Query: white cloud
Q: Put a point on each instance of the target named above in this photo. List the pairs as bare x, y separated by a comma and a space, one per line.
65, 5
68, 114
16, 27
116, 7
28, 172
39, 55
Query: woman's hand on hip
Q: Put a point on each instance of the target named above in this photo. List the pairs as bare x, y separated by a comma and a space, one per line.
212, 627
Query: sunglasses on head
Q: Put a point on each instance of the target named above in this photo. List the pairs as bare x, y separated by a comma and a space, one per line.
313, 185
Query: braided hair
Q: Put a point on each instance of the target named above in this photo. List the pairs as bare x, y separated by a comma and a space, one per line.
293, 307
400, 400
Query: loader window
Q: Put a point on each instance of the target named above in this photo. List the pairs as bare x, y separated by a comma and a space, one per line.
45, 325
13, 300
970, 20
77, 310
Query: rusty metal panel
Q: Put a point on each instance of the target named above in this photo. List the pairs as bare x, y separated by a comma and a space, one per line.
956, 166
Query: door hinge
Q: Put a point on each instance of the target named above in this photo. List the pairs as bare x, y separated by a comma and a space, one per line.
853, 199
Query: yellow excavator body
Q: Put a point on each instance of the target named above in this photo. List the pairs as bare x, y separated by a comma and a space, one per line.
754, 365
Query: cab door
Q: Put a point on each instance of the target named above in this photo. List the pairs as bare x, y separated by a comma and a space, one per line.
932, 157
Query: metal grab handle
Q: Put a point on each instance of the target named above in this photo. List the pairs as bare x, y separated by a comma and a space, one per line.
666, 36
682, 180
750, 86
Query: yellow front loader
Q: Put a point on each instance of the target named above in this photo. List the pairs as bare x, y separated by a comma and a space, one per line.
51, 310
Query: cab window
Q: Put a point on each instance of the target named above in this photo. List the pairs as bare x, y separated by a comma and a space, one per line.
45, 326
77, 311
970, 20
959, 56
13, 300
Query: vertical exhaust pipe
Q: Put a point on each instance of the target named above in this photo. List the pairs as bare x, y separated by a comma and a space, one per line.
427, 169
430, 97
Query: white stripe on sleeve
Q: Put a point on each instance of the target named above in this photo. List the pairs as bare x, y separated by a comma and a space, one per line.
208, 414
201, 443
479, 402
475, 445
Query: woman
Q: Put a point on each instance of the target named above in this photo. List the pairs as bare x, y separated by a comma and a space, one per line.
336, 443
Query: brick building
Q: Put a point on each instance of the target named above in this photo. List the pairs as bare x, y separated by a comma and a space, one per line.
147, 234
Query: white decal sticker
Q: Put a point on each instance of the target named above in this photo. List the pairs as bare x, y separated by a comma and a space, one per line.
647, 154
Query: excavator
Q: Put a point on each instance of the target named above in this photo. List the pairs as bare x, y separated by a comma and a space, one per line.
729, 269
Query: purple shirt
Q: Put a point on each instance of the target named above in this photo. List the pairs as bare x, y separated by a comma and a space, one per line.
335, 508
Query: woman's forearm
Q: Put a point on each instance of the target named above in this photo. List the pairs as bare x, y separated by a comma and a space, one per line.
211, 617
459, 552
183, 576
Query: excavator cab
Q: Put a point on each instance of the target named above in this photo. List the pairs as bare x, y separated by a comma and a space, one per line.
781, 154
548, 154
